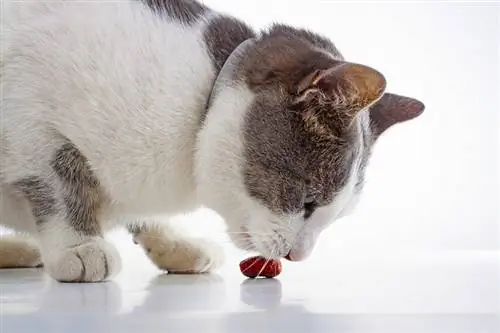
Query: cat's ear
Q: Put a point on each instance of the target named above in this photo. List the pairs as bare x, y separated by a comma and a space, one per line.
392, 109
353, 86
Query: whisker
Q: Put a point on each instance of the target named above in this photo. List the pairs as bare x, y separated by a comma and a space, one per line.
246, 269
267, 261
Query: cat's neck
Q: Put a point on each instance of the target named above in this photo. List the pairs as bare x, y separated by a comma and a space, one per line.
229, 74
224, 39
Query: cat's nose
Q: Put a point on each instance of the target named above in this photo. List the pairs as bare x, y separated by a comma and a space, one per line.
297, 256
302, 247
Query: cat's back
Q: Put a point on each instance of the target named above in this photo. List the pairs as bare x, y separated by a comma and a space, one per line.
127, 82
116, 53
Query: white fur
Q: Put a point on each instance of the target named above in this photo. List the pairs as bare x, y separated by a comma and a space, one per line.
125, 86
177, 253
129, 89
122, 95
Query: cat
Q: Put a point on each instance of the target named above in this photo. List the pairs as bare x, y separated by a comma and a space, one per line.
114, 113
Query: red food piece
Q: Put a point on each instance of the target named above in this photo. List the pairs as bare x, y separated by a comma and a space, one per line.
259, 266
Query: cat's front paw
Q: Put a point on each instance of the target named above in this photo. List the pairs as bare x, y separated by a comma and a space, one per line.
95, 261
183, 256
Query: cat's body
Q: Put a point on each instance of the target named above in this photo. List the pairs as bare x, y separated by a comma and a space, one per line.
110, 116
138, 54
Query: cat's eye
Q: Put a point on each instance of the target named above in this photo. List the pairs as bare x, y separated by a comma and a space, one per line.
310, 206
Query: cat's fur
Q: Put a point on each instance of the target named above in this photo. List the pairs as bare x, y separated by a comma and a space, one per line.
115, 112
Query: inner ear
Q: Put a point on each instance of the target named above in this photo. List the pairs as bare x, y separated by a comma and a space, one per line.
307, 83
349, 84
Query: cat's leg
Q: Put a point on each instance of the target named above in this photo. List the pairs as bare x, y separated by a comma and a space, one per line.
169, 250
68, 207
19, 252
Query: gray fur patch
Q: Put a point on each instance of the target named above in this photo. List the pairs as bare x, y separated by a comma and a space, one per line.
280, 30
287, 167
81, 191
222, 36
41, 196
298, 154
186, 12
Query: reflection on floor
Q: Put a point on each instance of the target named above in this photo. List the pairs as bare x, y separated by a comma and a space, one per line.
452, 293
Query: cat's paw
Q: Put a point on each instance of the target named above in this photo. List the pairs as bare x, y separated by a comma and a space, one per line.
19, 252
95, 261
184, 256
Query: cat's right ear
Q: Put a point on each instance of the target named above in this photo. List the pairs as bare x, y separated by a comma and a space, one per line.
352, 85
392, 109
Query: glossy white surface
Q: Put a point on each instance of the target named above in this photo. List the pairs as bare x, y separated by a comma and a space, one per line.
426, 293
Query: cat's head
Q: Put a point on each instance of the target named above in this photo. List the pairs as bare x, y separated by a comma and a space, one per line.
287, 137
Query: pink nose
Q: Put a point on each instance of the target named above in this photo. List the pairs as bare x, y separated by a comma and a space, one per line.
297, 256
290, 257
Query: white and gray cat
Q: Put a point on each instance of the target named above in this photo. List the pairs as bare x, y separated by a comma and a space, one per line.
115, 112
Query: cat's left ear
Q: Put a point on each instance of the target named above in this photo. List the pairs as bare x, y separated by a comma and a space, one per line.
392, 109
353, 86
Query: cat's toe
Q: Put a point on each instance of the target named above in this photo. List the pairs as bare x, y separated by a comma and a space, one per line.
90, 262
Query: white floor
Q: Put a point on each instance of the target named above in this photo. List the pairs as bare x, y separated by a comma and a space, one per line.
342, 292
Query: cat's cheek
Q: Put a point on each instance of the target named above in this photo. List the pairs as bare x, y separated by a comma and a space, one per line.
350, 206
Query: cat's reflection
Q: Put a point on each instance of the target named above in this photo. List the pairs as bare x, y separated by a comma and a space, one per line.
36, 303
22, 291
28, 291
261, 293
270, 313
31, 292
181, 303
171, 293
